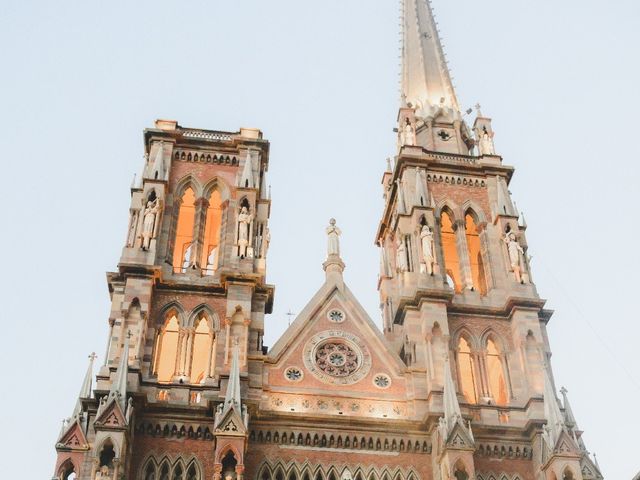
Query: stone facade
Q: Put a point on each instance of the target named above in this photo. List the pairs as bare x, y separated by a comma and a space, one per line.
457, 385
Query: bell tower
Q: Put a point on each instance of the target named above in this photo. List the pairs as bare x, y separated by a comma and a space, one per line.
456, 290
187, 313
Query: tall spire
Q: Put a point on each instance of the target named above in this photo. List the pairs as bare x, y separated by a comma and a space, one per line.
85, 390
232, 397
555, 420
426, 81
119, 386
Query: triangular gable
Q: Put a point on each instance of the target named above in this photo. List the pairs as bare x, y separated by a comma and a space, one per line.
231, 424
566, 445
73, 438
459, 438
331, 291
111, 417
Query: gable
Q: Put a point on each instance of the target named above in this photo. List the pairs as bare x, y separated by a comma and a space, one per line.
111, 417
231, 424
73, 439
331, 357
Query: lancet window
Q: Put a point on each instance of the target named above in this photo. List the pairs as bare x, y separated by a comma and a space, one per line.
495, 367
183, 246
211, 241
475, 254
467, 371
294, 471
168, 469
185, 351
450, 252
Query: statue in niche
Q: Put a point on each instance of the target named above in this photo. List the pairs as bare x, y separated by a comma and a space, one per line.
428, 251
486, 143
385, 269
186, 258
333, 238
149, 225
211, 261
408, 134
515, 250
401, 257
244, 225
133, 222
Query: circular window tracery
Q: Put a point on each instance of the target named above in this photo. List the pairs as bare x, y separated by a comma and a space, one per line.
338, 357
336, 316
382, 380
293, 374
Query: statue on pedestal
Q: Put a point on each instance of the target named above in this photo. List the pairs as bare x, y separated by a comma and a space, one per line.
401, 257
428, 252
149, 229
514, 250
408, 134
244, 227
333, 238
486, 143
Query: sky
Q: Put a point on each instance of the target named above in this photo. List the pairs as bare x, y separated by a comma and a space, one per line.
81, 80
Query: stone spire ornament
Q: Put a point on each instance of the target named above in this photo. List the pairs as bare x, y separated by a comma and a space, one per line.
118, 390
333, 266
85, 389
555, 420
426, 81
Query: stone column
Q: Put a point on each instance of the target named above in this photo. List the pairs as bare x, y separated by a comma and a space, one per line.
212, 352
108, 350
199, 226
239, 472
173, 227
227, 340
463, 254
176, 370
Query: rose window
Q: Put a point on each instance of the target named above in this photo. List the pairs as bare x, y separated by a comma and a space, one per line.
336, 316
337, 359
293, 374
381, 380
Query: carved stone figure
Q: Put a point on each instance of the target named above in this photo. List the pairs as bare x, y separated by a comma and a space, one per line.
486, 143
408, 135
149, 223
264, 247
401, 257
428, 252
515, 250
333, 238
186, 259
104, 473
244, 227
211, 261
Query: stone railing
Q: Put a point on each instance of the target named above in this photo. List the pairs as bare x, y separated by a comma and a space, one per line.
205, 135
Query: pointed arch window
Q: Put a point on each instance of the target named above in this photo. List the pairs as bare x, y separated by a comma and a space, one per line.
167, 347
211, 242
182, 250
202, 342
475, 254
150, 472
450, 251
466, 371
495, 373
164, 471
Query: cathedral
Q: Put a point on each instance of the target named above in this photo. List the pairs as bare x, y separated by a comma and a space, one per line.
456, 386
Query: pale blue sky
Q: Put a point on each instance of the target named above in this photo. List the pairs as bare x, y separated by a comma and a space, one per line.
80, 80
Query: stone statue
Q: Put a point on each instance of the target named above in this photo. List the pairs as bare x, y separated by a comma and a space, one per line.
408, 135
149, 222
244, 226
333, 238
514, 249
428, 252
186, 259
103, 473
211, 260
401, 257
486, 143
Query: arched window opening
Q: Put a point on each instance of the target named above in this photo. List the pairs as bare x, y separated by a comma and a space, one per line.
461, 474
229, 463
475, 254
568, 475
168, 348
164, 471
192, 473
450, 252
107, 454
466, 371
495, 372
202, 340
68, 471
178, 472
150, 472
211, 242
182, 251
